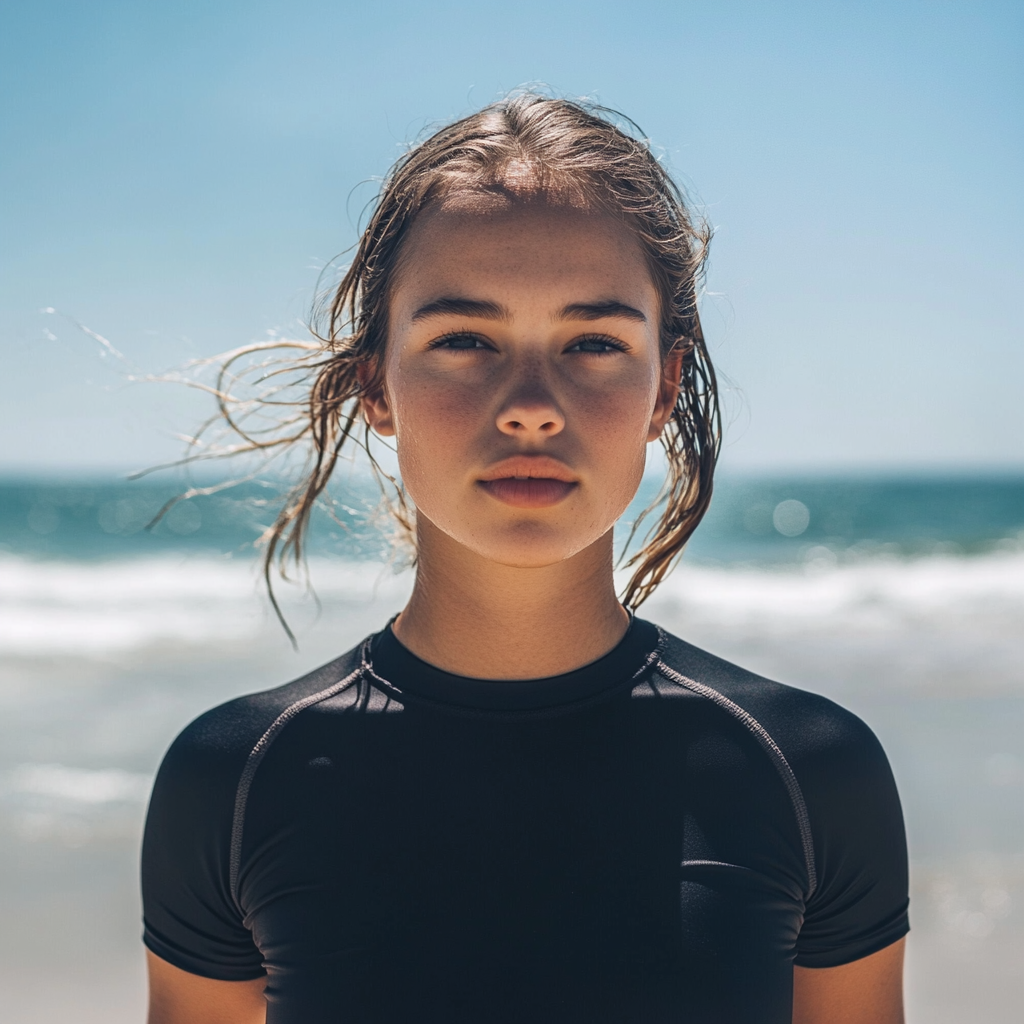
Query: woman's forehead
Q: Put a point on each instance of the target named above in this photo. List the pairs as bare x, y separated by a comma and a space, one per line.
490, 242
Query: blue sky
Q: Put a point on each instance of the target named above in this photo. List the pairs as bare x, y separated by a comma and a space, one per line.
173, 176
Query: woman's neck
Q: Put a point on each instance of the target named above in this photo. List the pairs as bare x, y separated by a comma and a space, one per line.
473, 617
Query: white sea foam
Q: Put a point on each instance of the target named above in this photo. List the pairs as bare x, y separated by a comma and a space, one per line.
72, 806
93, 609
81, 608
78, 785
882, 594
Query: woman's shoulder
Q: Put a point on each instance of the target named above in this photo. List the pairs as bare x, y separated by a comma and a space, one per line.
810, 730
192, 827
222, 739
843, 795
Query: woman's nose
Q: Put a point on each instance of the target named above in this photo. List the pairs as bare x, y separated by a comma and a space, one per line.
531, 412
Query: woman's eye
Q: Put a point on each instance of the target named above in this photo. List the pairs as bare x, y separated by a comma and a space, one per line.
459, 342
597, 345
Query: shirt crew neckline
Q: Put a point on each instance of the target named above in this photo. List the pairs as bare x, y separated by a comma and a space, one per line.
394, 664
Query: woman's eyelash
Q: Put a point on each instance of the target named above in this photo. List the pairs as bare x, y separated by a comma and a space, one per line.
597, 344
466, 341
450, 341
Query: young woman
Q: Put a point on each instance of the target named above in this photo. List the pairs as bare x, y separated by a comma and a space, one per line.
518, 802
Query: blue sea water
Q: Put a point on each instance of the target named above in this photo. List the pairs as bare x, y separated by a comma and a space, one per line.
753, 520
901, 597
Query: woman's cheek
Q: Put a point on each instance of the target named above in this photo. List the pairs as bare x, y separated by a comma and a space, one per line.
619, 416
435, 427
433, 409
619, 434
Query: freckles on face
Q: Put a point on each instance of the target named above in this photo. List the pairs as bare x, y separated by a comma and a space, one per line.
523, 375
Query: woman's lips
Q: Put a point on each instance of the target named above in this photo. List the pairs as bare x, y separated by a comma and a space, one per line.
529, 481
528, 492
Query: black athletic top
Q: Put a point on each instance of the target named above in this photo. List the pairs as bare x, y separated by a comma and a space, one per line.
657, 836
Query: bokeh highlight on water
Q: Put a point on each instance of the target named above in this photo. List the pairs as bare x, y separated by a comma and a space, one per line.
901, 598
754, 520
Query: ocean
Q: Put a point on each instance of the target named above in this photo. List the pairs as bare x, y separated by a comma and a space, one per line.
900, 597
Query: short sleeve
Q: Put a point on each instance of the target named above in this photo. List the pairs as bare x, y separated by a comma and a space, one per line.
861, 900
190, 918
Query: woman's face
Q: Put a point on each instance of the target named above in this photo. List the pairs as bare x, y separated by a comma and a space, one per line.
522, 378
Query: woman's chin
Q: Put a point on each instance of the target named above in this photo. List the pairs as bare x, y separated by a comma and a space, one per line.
518, 541
526, 546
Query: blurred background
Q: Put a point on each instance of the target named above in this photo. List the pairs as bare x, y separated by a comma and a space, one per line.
174, 179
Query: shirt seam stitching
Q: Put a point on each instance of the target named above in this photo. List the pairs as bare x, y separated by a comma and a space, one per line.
775, 754
253, 762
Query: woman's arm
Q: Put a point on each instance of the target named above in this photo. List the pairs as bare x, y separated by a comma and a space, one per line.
177, 997
867, 991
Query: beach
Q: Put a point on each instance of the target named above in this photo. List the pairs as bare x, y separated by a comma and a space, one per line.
904, 605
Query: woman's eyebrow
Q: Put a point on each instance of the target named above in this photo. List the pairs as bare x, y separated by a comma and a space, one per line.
601, 311
452, 306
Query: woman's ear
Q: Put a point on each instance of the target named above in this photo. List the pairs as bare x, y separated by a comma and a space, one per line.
374, 403
668, 392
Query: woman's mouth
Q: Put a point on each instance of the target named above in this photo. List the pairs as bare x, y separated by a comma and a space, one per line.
529, 481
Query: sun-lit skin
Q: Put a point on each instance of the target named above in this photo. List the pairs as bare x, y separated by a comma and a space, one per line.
522, 381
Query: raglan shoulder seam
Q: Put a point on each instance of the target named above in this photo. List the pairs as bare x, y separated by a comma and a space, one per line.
257, 754
775, 754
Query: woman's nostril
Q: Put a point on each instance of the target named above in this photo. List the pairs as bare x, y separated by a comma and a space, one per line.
535, 421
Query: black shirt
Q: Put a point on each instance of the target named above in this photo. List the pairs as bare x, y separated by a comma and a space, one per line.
658, 836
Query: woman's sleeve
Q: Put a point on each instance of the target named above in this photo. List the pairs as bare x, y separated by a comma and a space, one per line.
860, 903
190, 917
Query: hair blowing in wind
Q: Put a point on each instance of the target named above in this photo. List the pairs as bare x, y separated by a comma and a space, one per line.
282, 398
